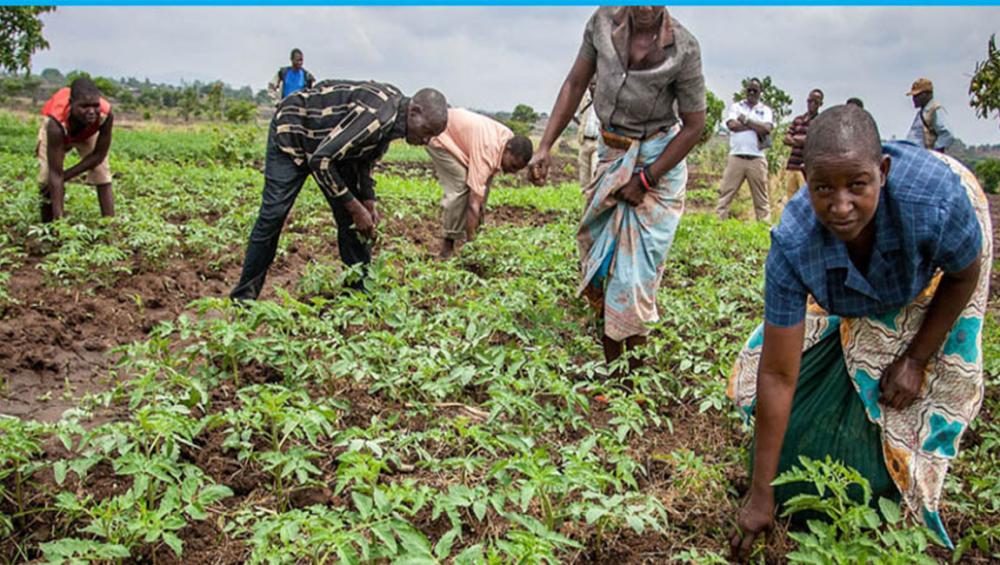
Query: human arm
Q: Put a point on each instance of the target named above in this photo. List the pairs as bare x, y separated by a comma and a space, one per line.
97, 156
692, 126
55, 153
562, 112
367, 186
900, 384
958, 240
360, 131
785, 297
274, 88
776, 380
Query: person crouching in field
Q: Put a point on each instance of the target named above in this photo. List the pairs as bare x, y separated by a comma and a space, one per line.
472, 149
335, 131
870, 351
635, 201
77, 117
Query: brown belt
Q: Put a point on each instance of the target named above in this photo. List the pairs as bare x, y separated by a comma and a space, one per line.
748, 157
616, 141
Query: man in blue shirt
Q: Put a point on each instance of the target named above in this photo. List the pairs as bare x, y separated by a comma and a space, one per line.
290, 79
928, 129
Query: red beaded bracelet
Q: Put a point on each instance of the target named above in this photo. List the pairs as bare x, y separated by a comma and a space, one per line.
645, 181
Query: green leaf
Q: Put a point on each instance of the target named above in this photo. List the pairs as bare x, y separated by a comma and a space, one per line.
594, 514
442, 548
479, 509
471, 555
363, 503
890, 510
174, 542
384, 532
59, 470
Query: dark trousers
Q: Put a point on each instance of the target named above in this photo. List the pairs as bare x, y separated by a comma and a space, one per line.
283, 180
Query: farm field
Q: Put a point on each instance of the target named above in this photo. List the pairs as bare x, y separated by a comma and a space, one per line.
447, 416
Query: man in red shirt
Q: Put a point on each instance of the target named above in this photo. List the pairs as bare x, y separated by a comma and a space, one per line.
78, 117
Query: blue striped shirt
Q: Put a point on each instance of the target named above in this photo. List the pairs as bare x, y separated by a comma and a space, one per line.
924, 222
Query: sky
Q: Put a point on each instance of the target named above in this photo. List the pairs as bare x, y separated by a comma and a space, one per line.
492, 58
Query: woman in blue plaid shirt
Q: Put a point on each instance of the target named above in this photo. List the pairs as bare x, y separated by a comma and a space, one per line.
876, 286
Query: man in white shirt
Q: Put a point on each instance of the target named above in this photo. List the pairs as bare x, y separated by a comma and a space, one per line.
750, 123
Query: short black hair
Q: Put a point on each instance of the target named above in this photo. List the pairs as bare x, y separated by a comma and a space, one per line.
433, 104
295, 52
754, 79
817, 90
856, 101
82, 88
841, 129
520, 146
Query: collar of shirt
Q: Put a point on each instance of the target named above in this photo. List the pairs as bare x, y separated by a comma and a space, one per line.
623, 29
886, 240
399, 128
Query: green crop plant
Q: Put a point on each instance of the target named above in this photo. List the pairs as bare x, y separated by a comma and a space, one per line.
855, 532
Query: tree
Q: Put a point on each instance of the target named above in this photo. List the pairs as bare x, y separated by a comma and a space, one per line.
522, 119
53, 76
21, 36
984, 88
775, 98
988, 171
713, 115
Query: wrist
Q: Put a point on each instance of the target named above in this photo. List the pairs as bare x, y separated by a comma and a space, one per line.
917, 358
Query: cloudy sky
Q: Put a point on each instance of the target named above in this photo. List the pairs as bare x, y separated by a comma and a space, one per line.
495, 57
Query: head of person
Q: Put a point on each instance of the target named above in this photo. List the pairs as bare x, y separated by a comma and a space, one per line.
852, 101
814, 101
297, 58
845, 170
922, 91
84, 101
752, 91
516, 154
645, 17
426, 117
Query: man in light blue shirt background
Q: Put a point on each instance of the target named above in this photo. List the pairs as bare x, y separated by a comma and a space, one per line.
929, 129
290, 79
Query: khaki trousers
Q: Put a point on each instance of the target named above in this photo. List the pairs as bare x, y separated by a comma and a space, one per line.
451, 173
101, 174
754, 171
586, 162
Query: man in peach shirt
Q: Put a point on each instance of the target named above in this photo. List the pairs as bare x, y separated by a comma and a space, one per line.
471, 150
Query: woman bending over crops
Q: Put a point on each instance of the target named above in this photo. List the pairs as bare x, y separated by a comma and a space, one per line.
645, 64
876, 286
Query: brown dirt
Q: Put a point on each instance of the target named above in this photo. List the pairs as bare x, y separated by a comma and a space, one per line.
55, 344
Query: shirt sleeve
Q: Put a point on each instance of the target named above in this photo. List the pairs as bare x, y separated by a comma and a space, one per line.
587, 49
690, 84
960, 237
358, 129
784, 294
732, 113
